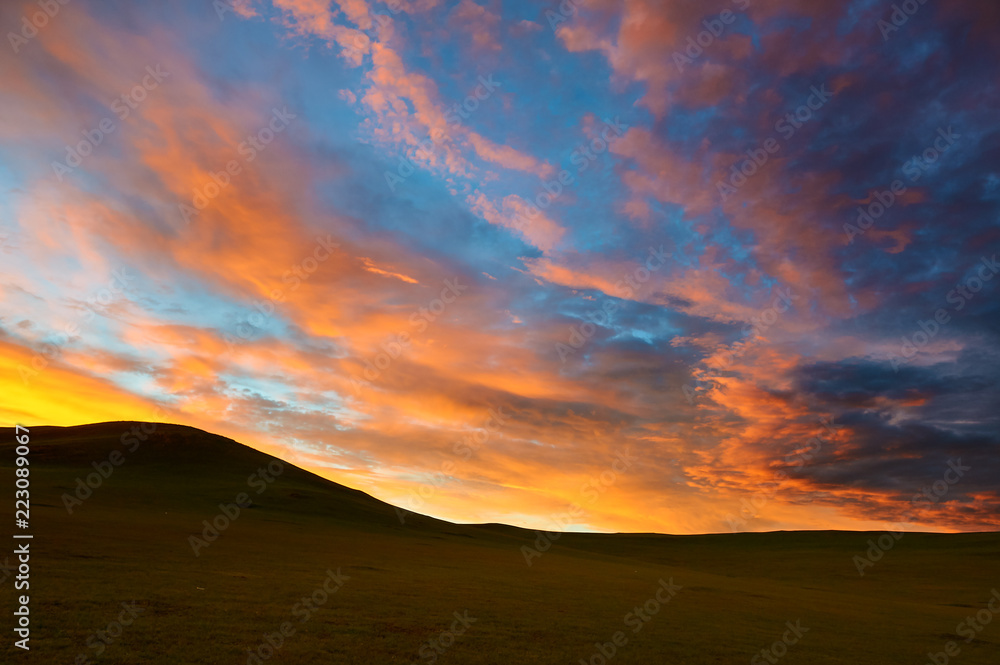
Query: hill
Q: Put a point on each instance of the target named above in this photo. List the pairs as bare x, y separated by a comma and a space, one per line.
161, 564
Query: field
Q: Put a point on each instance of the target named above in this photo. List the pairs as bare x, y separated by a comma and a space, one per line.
349, 583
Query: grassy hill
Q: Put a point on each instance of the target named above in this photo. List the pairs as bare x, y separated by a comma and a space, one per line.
430, 591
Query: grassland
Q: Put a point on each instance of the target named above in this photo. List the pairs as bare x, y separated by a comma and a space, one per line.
400, 585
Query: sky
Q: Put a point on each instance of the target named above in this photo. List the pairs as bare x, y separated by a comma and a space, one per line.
645, 266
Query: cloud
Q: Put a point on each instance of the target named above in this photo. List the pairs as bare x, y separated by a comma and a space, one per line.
309, 310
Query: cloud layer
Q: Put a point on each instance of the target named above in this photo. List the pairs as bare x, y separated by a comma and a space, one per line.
466, 255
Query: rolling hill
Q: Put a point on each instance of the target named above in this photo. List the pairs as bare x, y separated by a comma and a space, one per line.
197, 549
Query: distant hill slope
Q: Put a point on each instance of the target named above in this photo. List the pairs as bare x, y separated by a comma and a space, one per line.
160, 533
190, 466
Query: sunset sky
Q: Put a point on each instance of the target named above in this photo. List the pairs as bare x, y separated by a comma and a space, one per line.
607, 265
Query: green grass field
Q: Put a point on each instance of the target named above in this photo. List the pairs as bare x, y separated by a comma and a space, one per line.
400, 586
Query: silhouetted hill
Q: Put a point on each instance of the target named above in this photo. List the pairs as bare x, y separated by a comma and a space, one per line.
159, 531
